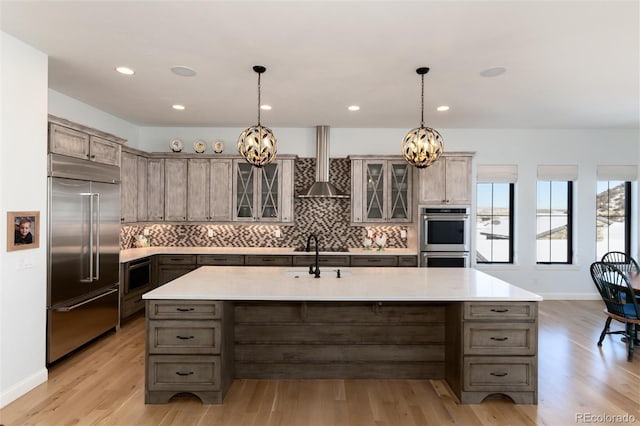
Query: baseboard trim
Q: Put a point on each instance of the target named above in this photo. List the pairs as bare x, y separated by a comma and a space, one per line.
22, 387
570, 296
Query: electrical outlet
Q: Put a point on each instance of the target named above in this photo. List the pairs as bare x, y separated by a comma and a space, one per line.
403, 234
369, 233
210, 233
145, 232
277, 233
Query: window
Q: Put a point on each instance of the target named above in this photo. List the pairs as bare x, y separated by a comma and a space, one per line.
613, 217
554, 222
494, 227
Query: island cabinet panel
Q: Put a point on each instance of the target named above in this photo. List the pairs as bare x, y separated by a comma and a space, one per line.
339, 339
492, 349
189, 349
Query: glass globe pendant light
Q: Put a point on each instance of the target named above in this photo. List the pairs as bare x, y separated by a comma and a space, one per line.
422, 146
257, 144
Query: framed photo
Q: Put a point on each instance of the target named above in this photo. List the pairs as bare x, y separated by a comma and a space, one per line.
23, 230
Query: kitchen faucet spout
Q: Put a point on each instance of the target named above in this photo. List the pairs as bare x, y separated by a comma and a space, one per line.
315, 270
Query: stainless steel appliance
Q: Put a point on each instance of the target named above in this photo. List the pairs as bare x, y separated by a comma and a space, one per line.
444, 237
83, 271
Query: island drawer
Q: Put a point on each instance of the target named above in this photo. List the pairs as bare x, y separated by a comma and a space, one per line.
221, 259
267, 260
306, 260
485, 338
192, 309
374, 260
188, 373
499, 374
184, 337
179, 259
523, 311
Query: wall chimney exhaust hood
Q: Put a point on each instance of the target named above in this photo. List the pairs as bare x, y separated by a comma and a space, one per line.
321, 187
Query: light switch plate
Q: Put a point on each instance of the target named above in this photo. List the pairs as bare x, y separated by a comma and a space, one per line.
145, 232
277, 233
403, 234
210, 233
369, 233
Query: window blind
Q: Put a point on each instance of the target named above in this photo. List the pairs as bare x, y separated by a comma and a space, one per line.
624, 173
497, 173
555, 172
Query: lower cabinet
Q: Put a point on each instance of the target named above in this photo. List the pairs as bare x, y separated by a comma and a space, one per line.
492, 349
189, 349
171, 267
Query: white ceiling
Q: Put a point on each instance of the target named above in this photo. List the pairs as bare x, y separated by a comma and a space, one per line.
570, 64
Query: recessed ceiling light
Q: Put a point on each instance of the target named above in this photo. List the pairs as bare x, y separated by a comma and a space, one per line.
183, 71
443, 108
493, 72
265, 107
178, 107
353, 108
125, 70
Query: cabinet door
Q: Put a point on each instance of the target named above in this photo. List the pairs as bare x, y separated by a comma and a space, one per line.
269, 190
374, 191
65, 141
104, 151
129, 188
220, 190
155, 189
175, 189
357, 191
244, 191
458, 180
198, 190
141, 173
398, 202
432, 183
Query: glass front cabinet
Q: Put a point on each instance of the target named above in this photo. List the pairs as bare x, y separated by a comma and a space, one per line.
381, 190
263, 194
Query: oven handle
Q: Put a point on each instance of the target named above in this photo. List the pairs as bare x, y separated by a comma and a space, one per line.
441, 217
457, 255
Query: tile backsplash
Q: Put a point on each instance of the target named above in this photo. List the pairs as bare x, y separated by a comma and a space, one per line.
327, 218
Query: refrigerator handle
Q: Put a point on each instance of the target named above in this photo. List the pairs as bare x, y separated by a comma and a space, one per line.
77, 305
97, 264
89, 278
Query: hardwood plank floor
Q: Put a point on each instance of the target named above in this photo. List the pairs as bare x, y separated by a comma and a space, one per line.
103, 384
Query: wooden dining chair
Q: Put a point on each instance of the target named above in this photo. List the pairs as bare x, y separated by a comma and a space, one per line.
622, 261
620, 301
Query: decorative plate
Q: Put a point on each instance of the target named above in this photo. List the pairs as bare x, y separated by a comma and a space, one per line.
218, 146
176, 145
199, 146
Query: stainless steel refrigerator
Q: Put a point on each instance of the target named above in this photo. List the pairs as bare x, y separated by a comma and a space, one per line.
83, 253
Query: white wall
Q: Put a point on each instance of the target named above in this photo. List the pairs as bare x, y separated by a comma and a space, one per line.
23, 180
65, 107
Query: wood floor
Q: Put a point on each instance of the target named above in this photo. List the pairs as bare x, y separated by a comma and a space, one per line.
104, 385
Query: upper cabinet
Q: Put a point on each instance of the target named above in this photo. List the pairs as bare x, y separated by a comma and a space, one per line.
78, 141
155, 189
129, 190
209, 190
447, 181
381, 190
175, 189
263, 194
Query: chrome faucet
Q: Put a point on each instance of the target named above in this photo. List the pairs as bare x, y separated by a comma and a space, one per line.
314, 270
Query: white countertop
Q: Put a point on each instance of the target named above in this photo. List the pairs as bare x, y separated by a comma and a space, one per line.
137, 253
356, 284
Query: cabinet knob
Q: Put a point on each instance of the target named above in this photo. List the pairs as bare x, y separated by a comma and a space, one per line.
93, 156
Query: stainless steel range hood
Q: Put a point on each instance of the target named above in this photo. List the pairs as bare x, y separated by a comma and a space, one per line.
321, 187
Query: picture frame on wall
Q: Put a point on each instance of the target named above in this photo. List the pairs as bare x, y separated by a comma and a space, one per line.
23, 230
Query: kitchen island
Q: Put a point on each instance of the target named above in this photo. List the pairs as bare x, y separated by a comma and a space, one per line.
218, 323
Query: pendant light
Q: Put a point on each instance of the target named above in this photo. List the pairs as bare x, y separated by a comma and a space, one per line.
257, 144
422, 146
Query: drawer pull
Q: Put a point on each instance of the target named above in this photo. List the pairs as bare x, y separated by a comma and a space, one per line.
180, 373
184, 309
184, 337
499, 339
499, 310
268, 259
373, 260
502, 374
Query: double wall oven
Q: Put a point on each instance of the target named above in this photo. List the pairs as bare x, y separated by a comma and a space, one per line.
444, 237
